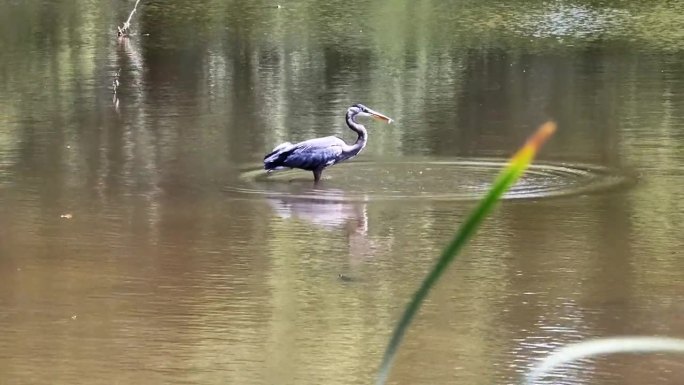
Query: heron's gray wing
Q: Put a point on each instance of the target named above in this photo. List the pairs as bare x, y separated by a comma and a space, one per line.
314, 153
318, 143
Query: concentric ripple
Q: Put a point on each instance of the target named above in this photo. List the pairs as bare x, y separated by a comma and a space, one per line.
449, 180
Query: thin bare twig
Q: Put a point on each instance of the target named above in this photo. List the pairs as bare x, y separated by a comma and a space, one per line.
123, 31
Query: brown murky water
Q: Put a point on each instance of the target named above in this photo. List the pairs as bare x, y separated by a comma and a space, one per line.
138, 243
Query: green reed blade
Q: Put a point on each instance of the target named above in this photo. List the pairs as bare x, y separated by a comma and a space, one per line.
519, 162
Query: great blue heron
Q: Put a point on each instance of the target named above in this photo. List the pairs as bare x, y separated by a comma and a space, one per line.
317, 154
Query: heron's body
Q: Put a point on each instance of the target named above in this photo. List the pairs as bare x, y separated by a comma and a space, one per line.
317, 154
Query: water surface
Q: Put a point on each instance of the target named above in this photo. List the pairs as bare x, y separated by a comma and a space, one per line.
137, 244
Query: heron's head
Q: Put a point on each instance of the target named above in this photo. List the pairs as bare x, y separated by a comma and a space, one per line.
361, 110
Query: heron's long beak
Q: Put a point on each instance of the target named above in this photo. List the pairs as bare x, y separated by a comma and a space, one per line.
379, 116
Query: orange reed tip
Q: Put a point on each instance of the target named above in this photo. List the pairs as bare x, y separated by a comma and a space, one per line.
543, 133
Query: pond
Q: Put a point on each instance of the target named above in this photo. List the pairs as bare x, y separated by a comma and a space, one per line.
141, 242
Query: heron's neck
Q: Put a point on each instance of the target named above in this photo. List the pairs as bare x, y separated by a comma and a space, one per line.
361, 131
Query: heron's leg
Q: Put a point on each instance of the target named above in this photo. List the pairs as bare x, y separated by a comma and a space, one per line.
317, 174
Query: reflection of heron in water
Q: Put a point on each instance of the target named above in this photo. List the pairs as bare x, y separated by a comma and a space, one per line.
322, 211
317, 154
328, 210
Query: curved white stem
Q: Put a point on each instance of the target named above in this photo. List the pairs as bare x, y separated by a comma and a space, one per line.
603, 346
